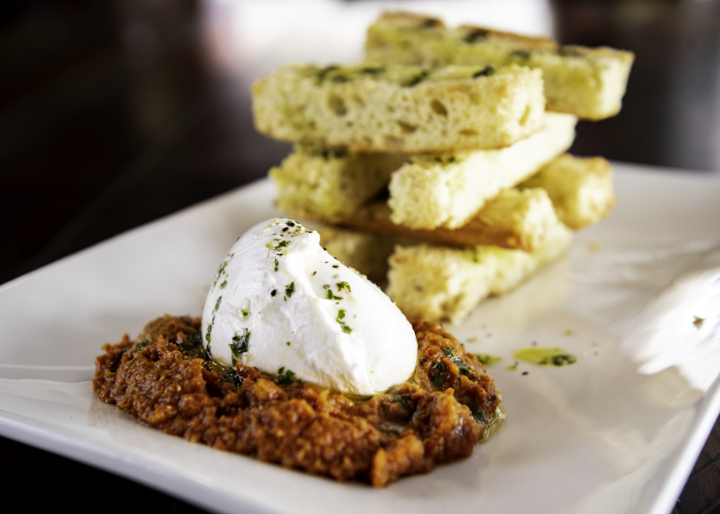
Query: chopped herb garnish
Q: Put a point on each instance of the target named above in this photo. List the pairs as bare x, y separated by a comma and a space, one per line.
462, 366
429, 23
195, 340
288, 343
217, 304
485, 72
340, 79
286, 377
521, 54
277, 264
417, 79
223, 285
323, 73
566, 52
343, 325
475, 35
477, 413
221, 270
343, 285
142, 344
372, 70
277, 244
245, 313
239, 345
449, 352
330, 296
435, 378
209, 329
289, 290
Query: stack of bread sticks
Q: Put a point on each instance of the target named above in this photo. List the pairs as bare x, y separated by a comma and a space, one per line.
437, 166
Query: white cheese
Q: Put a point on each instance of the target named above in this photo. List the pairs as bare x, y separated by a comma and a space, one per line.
284, 305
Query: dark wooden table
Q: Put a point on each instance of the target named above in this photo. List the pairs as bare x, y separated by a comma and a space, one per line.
100, 133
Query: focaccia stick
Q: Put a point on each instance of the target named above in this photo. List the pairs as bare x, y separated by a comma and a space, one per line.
399, 108
586, 82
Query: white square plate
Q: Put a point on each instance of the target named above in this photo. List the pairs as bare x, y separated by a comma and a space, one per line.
597, 436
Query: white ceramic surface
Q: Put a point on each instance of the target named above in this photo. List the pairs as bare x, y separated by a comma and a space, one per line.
602, 435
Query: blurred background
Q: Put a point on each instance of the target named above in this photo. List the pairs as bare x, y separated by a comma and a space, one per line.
116, 113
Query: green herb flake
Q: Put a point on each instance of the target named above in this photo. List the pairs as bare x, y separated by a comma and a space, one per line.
475, 35
217, 304
372, 70
288, 343
343, 325
194, 340
330, 296
429, 23
449, 352
464, 368
277, 265
521, 54
323, 73
567, 52
289, 290
340, 79
417, 79
286, 377
277, 245
477, 413
245, 313
343, 285
435, 378
221, 270
485, 72
239, 345
142, 344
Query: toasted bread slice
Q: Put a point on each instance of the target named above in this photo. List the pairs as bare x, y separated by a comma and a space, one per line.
513, 219
586, 82
517, 218
447, 190
399, 108
441, 283
581, 190
331, 185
